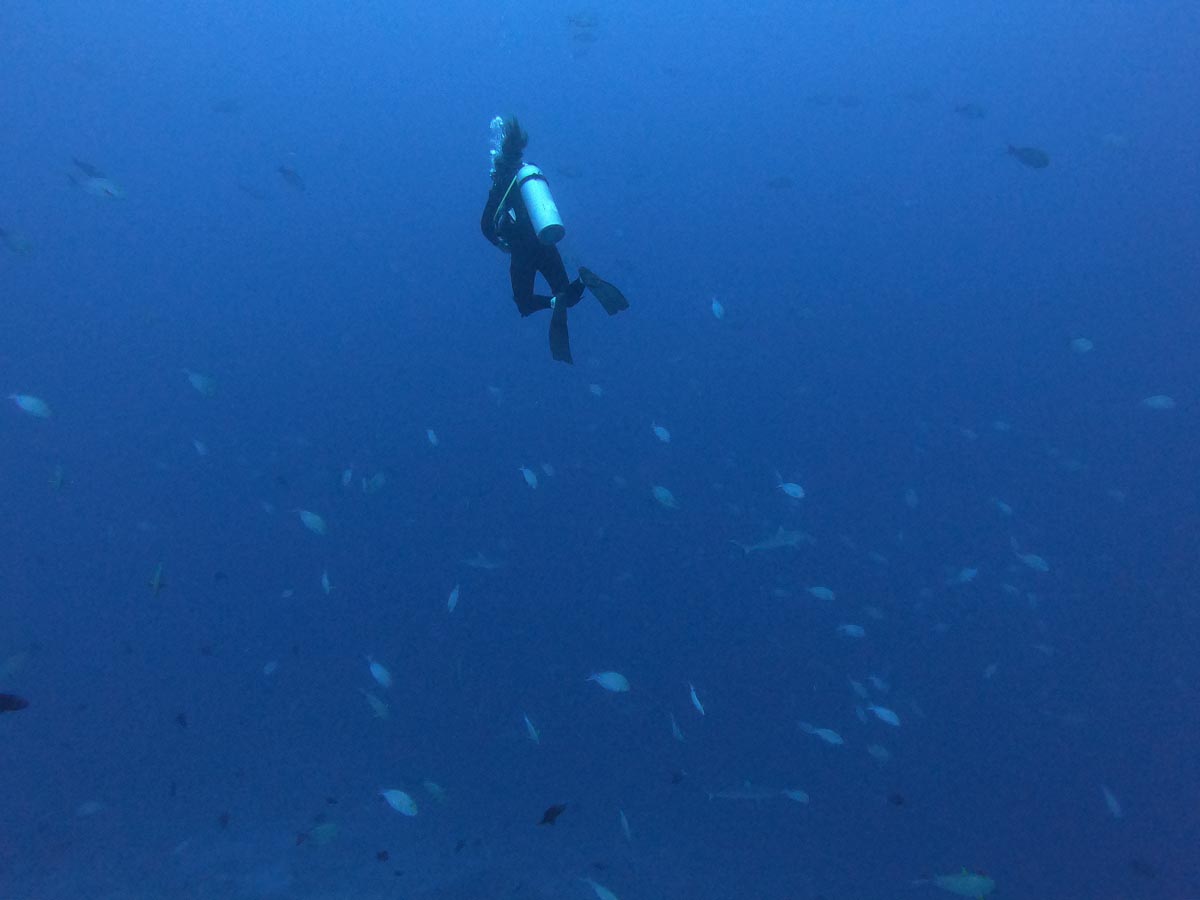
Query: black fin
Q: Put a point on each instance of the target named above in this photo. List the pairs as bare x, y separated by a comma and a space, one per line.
610, 298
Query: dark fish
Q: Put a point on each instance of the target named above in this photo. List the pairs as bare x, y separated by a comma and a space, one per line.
1143, 868
896, 798
87, 168
223, 820
552, 813
181, 720
779, 183
251, 191
1030, 156
970, 110
610, 298
382, 855
12, 703
228, 106
292, 177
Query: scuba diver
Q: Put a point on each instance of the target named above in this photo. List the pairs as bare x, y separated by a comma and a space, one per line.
521, 219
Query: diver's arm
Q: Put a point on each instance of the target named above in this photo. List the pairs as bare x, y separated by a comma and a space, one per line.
487, 223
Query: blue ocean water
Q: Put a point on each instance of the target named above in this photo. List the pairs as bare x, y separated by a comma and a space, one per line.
903, 306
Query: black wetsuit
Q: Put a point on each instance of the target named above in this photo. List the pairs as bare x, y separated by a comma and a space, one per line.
529, 255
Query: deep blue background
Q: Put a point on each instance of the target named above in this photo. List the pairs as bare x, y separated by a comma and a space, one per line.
910, 288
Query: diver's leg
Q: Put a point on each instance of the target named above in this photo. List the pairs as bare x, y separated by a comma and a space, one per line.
551, 266
560, 338
522, 269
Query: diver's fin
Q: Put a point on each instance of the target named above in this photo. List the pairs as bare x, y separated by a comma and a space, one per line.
560, 338
610, 298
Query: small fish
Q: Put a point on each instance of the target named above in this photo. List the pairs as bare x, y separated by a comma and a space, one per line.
92, 181
610, 681
883, 714
479, 561
664, 497
718, 310
1111, 801
822, 593
552, 813
1081, 345
661, 433
850, 630
970, 110
431, 436
313, 522
880, 754
792, 489
291, 177
400, 802
34, 406
1032, 157
1035, 562
782, 538
157, 582
377, 706
452, 600
965, 575
380, 673
601, 892
531, 731
965, 884
529, 475
375, 483
326, 585
828, 735
796, 794
695, 700
202, 383
675, 732
625, 829
1159, 401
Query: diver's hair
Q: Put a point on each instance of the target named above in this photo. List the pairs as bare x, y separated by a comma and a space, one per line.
515, 139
